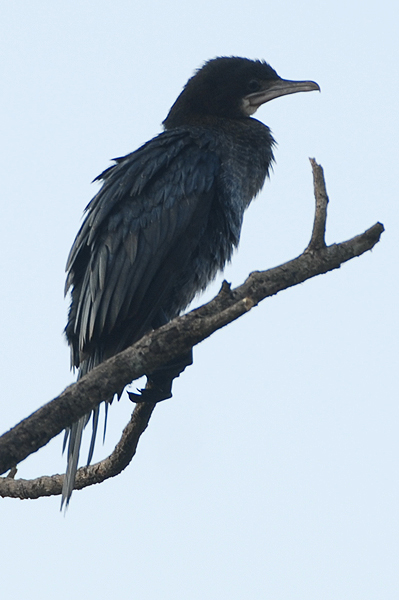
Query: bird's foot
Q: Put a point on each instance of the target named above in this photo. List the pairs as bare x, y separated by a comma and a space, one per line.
159, 383
151, 393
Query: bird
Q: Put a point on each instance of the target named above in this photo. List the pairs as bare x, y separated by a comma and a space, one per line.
166, 220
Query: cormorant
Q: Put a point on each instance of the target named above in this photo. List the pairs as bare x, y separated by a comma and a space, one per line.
166, 219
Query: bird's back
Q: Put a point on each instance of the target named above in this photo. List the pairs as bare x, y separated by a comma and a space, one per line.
166, 219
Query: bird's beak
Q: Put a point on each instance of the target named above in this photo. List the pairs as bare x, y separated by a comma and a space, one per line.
280, 87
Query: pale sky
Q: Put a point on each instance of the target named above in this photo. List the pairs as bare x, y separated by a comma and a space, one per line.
273, 471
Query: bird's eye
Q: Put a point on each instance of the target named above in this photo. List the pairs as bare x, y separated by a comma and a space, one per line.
253, 86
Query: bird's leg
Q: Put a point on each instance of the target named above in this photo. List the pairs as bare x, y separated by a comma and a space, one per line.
159, 383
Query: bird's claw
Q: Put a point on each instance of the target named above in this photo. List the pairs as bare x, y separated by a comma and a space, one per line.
152, 395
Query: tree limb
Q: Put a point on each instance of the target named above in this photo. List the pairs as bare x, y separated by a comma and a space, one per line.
159, 347
85, 476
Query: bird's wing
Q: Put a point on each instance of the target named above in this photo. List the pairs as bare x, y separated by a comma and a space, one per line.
137, 229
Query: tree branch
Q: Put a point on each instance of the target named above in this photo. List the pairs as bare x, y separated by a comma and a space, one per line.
161, 346
111, 466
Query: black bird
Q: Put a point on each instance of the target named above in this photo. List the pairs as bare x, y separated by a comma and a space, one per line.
166, 219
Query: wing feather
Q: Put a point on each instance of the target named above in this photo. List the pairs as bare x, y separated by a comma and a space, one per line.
143, 209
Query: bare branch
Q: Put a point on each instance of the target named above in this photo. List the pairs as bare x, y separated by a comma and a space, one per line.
160, 347
317, 240
97, 473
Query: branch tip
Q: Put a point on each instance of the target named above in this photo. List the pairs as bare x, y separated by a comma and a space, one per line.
317, 240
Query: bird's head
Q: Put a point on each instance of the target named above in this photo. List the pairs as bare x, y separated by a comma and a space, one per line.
230, 88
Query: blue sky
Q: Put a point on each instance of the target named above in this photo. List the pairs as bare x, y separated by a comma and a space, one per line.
273, 472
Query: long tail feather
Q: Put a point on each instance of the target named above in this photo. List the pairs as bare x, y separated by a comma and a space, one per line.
75, 439
96, 413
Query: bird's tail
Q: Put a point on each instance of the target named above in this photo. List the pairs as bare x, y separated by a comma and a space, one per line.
73, 436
